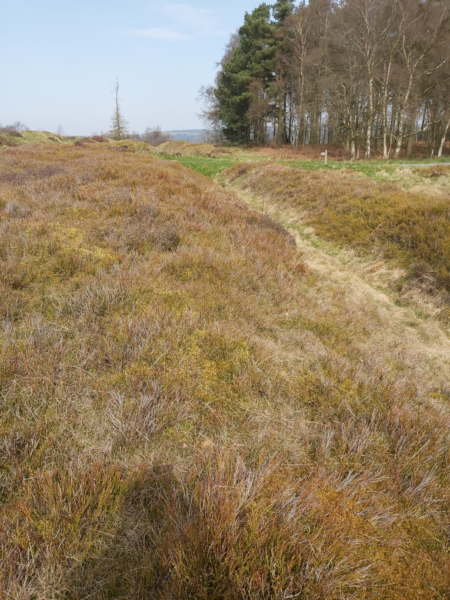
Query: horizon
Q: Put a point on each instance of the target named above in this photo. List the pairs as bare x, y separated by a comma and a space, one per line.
63, 71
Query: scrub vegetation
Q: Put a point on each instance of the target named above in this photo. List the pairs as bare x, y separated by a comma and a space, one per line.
189, 409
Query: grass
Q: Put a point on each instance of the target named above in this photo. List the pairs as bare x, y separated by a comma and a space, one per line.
189, 411
209, 167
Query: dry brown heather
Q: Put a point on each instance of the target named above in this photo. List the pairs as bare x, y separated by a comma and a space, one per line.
183, 148
353, 210
188, 412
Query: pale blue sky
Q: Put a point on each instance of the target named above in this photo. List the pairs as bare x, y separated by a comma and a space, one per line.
60, 59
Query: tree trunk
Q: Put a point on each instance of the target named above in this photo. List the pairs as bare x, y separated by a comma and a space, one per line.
369, 124
385, 110
394, 116
443, 138
330, 137
313, 125
353, 149
401, 120
412, 129
378, 136
280, 120
432, 141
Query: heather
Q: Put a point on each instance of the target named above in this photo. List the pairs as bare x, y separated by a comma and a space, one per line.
408, 228
190, 409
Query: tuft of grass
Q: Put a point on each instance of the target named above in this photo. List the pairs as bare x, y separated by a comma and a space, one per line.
434, 171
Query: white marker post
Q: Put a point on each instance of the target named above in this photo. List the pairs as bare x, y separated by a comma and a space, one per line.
326, 156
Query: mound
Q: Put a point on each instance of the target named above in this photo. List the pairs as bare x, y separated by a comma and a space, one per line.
182, 148
130, 145
189, 412
8, 140
45, 137
434, 171
31, 137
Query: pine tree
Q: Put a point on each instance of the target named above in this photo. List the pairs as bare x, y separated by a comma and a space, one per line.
119, 126
282, 9
250, 91
252, 60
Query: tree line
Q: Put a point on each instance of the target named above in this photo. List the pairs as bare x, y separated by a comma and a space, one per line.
373, 75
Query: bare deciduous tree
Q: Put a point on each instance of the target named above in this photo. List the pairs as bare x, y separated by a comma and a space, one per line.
16, 127
155, 136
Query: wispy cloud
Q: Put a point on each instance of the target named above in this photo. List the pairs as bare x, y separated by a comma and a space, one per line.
176, 22
189, 17
156, 33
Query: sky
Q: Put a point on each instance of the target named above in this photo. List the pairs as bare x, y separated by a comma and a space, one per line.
60, 60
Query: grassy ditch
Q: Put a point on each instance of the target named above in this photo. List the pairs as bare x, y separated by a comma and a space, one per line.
188, 412
355, 211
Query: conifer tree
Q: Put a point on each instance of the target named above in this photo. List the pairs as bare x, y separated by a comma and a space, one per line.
250, 91
119, 126
282, 9
253, 59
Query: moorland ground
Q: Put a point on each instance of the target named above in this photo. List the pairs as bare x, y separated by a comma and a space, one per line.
200, 399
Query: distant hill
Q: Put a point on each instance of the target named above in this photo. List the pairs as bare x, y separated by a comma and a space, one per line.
189, 135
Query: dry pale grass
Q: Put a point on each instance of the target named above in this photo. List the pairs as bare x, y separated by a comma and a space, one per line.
187, 412
422, 181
